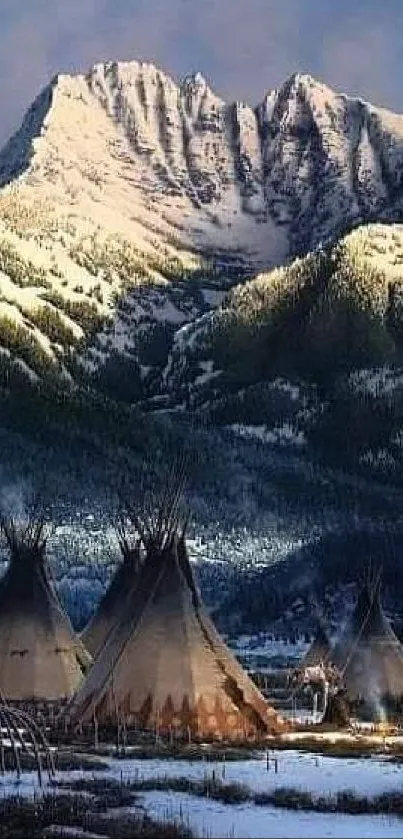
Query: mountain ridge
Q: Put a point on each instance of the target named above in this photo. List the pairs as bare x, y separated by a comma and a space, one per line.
131, 204
199, 148
195, 259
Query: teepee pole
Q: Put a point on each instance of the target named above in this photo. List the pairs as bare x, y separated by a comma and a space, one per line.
95, 730
166, 589
5, 717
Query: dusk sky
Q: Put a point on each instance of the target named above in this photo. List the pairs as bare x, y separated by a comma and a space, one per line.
243, 47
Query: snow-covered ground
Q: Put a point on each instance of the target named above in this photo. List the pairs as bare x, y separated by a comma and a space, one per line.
281, 435
266, 653
212, 819
319, 775
265, 645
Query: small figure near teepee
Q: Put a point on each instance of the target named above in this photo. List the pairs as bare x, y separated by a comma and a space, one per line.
41, 658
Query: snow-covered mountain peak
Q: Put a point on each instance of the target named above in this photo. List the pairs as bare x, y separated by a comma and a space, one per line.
218, 178
122, 176
301, 81
194, 83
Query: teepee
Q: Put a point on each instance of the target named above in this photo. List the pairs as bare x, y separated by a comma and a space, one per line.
164, 667
368, 655
319, 650
123, 580
41, 658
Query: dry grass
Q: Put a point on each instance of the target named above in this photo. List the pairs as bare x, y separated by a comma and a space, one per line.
208, 787
345, 801
146, 749
64, 760
21, 818
362, 747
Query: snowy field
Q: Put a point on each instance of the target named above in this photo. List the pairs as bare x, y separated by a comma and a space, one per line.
266, 647
320, 775
210, 819
317, 774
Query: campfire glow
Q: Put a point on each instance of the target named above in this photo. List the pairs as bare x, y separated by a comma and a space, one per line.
385, 728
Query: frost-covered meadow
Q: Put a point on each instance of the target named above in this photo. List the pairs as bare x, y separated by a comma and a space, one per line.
208, 817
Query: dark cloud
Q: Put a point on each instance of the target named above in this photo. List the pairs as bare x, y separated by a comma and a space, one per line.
244, 47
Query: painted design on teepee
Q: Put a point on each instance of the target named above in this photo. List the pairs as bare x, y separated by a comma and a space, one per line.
368, 654
40, 655
164, 666
106, 615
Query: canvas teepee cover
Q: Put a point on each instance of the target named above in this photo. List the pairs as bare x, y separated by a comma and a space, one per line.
319, 650
110, 606
368, 654
164, 666
41, 658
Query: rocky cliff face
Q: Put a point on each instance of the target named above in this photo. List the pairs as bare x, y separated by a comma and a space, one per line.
268, 181
121, 185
